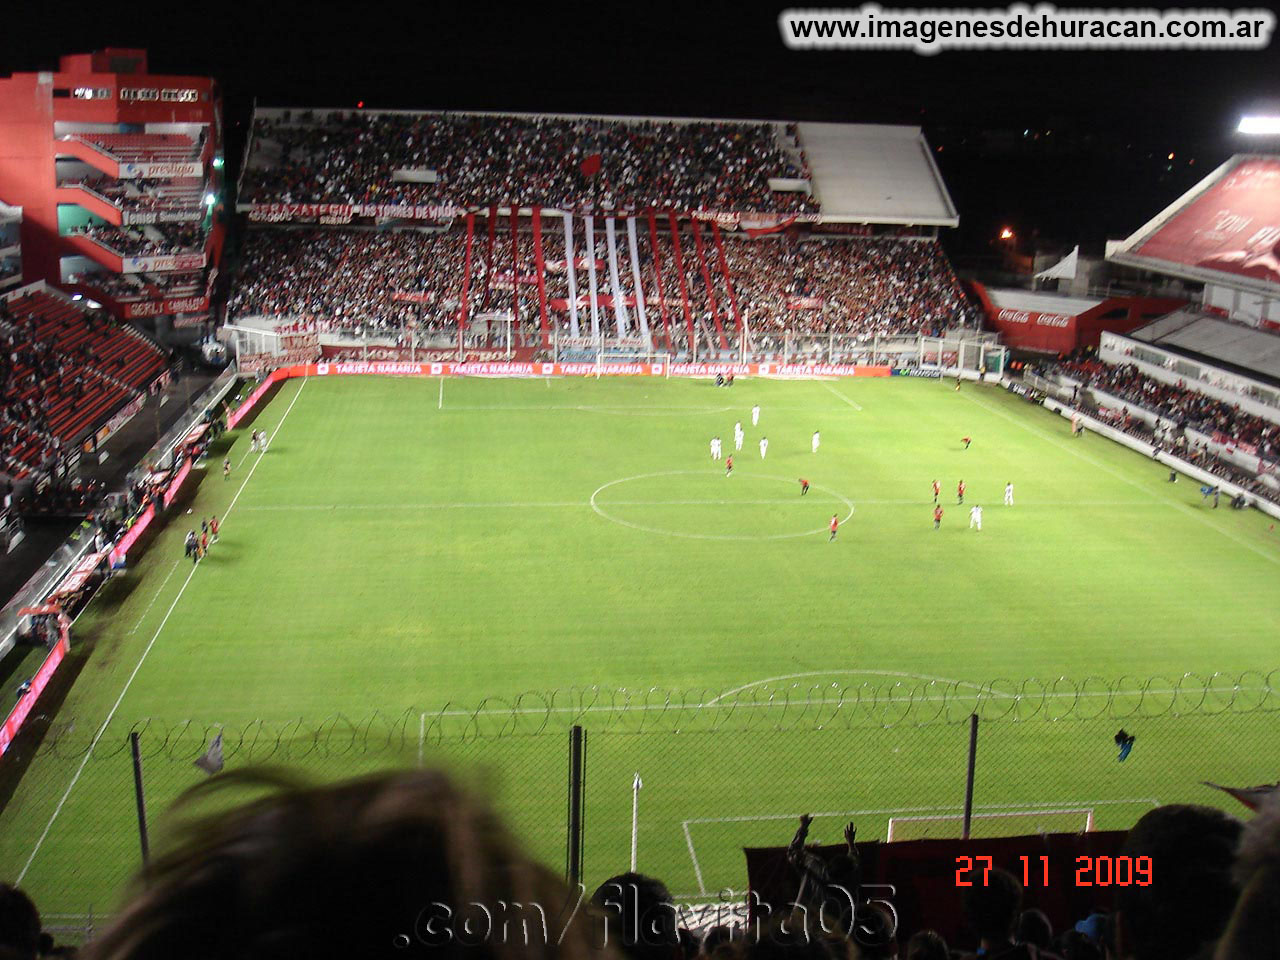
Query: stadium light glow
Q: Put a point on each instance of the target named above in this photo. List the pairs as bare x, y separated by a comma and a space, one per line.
1006, 234
217, 163
1259, 126
209, 199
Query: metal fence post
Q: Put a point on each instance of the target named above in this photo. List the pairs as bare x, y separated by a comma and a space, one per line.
968, 784
577, 751
139, 796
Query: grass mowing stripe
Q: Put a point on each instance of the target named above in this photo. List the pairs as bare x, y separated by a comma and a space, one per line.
1119, 476
138, 666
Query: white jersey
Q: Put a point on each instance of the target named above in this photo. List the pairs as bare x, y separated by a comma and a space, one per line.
755, 415
975, 518
816, 441
1008, 494
764, 446
737, 440
715, 448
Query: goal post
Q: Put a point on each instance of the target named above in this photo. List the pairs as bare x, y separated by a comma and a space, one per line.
1004, 823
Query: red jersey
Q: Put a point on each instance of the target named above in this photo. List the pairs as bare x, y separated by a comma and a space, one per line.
834, 524
960, 487
213, 525
937, 513
728, 463
937, 487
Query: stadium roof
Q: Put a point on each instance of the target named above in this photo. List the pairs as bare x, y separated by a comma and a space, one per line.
870, 173
1224, 230
861, 172
1231, 343
1033, 301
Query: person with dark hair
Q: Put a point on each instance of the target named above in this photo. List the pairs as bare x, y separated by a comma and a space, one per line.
1074, 945
639, 917
394, 865
1033, 927
991, 910
785, 938
19, 924
1192, 850
927, 945
1254, 927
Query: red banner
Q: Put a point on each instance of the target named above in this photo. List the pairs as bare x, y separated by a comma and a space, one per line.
159, 308
344, 212
22, 709
1233, 226
805, 303
163, 264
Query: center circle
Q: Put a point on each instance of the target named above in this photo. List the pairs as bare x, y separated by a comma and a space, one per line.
675, 503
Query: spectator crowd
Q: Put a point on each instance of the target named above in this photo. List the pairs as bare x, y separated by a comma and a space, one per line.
1183, 406
572, 163
383, 283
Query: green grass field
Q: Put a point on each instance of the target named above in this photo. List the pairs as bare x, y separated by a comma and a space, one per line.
410, 557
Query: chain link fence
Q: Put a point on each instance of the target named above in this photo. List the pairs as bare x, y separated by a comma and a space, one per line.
718, 771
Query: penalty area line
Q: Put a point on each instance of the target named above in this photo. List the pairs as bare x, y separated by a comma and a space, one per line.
138, 666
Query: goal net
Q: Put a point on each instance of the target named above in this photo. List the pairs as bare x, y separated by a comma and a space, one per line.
1009, 823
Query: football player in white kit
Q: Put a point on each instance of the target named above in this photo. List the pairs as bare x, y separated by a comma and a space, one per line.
975, 518
738, 435
755, 415
1008, 494
764, 446
816, 440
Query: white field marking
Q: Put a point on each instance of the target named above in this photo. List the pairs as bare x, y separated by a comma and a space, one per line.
422, 736
706, 536
649, 411
156, 597
794, 501
535, 504
829, 673
141, 660
851, 403
1182, 507
440, 405
1030, 807
809, 702
881, 811
697, 868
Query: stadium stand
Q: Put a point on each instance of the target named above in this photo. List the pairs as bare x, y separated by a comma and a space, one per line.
479, 159
153, 240
378, 282
1183, 406
63, 371
151, 147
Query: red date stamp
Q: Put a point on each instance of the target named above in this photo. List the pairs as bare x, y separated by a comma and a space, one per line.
1089, 871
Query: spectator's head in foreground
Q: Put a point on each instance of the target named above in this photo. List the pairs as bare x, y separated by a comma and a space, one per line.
992, 909
19, 923
384, 866
1192, 893
927, 945
639, 917
1034, 927
1254, 928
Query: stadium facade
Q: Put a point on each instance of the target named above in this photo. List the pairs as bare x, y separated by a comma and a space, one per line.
118, 172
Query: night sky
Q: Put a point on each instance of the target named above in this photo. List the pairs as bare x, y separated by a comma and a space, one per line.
1065, 147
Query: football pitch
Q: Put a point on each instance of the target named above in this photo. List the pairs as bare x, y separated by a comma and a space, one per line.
422, 572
